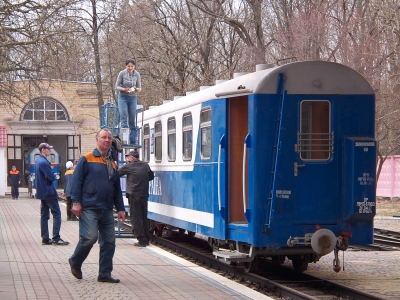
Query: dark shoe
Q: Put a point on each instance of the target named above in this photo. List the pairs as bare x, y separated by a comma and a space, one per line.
47, 242
74, 218
69, 218
75, 271
140, 244
107, 279
60, 242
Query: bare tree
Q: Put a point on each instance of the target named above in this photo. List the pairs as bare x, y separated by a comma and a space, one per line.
27, 30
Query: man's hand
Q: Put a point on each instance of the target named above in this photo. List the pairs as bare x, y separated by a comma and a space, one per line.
77, 210
121, 216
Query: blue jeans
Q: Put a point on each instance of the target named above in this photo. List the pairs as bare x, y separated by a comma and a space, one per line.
54, 207
127, 112
92, 223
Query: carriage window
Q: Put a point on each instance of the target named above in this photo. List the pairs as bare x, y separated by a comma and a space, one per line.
315, 139
187, 136
171, 139
205, 129
146, 143
158, 141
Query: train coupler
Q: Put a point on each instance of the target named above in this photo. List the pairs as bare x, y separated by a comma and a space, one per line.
336, 261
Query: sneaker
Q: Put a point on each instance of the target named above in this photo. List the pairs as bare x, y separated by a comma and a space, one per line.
47, 242
60, 242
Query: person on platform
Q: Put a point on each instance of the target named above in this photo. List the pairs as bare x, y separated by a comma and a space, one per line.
128, 84
137, 189
47, 193
67, 190
14, 178
96, 190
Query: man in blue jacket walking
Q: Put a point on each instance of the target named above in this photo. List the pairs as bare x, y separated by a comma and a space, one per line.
48, 196
96, 190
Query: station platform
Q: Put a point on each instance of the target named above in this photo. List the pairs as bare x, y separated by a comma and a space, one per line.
29, 270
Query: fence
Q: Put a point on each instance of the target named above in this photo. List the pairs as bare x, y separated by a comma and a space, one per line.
389, 179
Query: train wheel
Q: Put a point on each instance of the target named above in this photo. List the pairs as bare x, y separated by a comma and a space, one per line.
278, 259
251, 266
181, 232
159, 230
152, 227
191, 233
299, 264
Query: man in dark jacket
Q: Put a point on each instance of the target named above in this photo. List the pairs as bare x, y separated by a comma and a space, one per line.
14, 178
137, 189
46, 192
96, 189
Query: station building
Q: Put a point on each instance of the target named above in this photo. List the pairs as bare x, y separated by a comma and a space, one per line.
64, 114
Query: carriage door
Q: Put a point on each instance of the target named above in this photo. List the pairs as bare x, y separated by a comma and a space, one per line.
237, 132
315, 166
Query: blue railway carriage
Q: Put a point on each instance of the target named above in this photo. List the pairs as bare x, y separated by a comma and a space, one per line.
54, 158
279, 163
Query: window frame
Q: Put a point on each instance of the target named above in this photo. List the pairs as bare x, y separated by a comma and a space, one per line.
312, 143
146, 137
44, 109
203, 125
187, 129
170, 132
157, 135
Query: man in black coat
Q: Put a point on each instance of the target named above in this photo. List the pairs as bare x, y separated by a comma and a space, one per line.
137, 189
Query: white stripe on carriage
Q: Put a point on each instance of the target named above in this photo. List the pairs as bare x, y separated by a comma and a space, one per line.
184, 214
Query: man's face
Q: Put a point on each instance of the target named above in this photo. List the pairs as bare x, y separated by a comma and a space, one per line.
13, 168
104, 141
46, 152
129, 158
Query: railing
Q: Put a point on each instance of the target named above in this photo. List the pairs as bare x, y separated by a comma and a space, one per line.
314, 145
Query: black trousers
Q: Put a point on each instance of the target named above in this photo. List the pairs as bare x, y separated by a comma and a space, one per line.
138, 212
14, 190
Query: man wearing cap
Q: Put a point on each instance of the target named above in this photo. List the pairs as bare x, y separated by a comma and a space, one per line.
96, 190
67, 189
46, 192
137, 189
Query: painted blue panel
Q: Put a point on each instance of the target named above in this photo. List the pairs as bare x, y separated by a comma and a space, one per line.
359, 179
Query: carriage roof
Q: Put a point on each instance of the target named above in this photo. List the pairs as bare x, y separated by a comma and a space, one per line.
307, 77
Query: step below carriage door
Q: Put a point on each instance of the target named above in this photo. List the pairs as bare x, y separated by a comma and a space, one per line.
315, 165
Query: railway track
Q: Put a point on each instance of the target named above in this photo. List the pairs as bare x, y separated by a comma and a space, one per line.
272, 280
